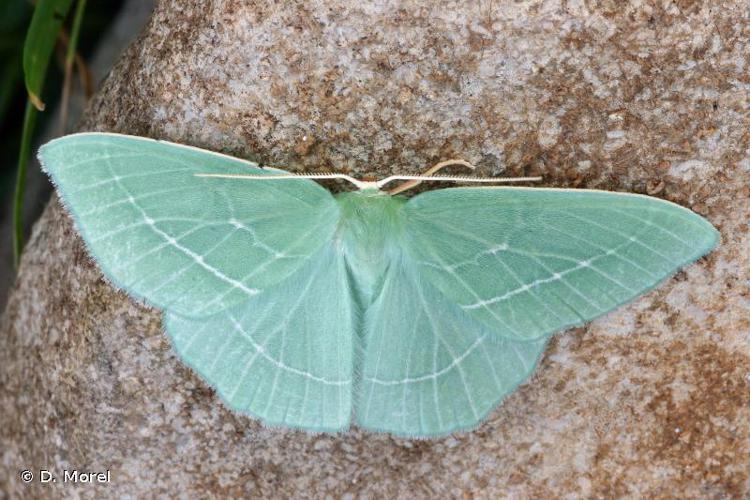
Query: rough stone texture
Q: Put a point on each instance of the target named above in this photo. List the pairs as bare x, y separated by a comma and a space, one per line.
652, 400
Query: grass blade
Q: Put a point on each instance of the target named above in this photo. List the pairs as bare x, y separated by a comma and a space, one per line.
40, 42
29, 120
70, 57
44, 28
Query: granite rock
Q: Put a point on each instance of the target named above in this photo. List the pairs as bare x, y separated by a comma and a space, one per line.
650, 97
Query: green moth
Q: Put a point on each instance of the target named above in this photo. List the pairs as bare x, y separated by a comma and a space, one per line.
311, 310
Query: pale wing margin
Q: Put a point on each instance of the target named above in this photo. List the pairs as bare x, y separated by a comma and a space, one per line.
286, 356
428, 367
529, 262
192, 245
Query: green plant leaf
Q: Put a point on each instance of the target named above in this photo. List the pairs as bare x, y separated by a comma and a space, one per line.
40, 42
29, 121
69, 60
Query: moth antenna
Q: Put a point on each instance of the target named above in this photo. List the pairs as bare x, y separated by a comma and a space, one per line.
328, 175
412, 180
415, 180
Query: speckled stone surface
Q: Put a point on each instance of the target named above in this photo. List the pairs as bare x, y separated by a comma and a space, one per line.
652, 400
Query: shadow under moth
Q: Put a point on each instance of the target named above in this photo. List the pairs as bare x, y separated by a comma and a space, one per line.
413, 316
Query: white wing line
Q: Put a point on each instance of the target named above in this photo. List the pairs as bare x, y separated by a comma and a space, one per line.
474, 261
631, 238
461, 373
195, 335
209, 155
629, 261
131, 199
285, 415
262, 351
258, 322
470, 290
487, 357
173, 242
555, 276
435, 375
151, 154
571, 287
520, 358
238, 328
199, 259
182, 271
261, 268
192, 230
377, 362
77, 164
219, 354
660, 228
533, 293
284, 328
121, 178
494, 249
343, 285
240, 225
607, 276
244, 164
406, 371
134, 225
241, 380
308, 366
497, 248
155, 249
466, 286
201, 224
435, 392
256, 241
420, 405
